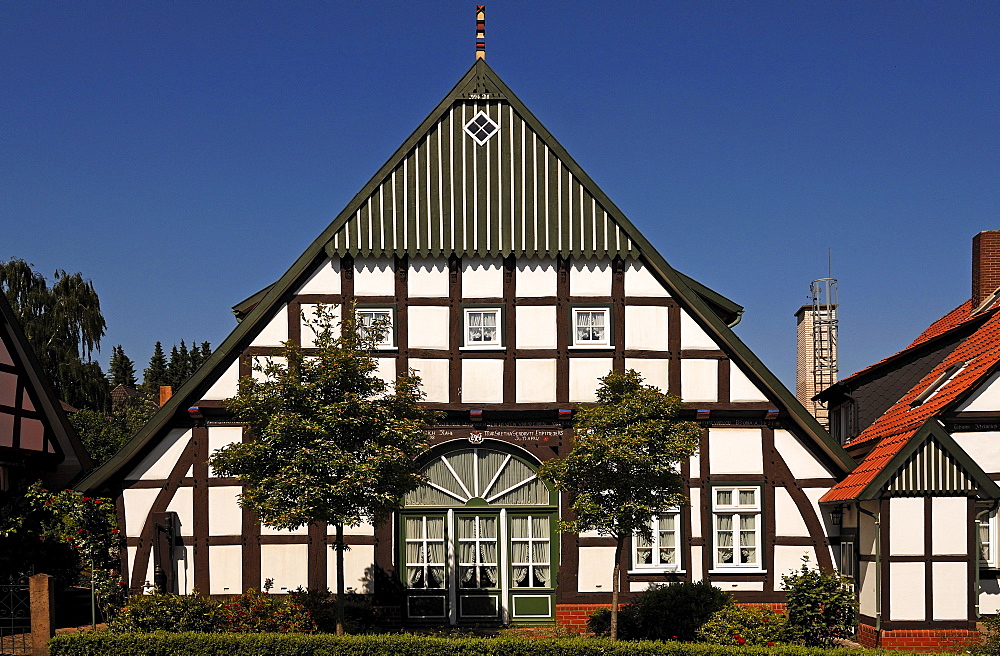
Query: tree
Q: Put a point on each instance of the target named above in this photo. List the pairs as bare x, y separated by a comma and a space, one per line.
821, 605
104, 433
121, 369
624, 466
333, 442
64, 325
155, 375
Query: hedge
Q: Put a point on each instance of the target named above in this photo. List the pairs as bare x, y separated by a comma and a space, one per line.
276, 644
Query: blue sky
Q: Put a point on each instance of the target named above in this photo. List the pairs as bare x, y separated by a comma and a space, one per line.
182, 154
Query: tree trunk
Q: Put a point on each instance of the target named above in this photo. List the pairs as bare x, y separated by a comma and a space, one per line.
615, 577
339, 546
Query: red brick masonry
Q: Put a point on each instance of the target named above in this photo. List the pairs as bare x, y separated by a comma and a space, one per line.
573, 617
916, 639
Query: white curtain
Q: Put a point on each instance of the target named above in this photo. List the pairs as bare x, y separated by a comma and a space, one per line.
724, 536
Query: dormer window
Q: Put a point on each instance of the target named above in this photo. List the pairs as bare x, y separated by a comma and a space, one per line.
938, 383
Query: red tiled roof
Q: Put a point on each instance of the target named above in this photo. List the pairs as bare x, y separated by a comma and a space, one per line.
981, 352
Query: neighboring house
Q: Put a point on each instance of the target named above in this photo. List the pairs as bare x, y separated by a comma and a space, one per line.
511, 284
920, 511
36, 440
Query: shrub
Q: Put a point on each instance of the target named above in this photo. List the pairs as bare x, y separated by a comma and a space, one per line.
744, 625
165, 612
600, 622
664, 612
260, 612
359, 616
821, 606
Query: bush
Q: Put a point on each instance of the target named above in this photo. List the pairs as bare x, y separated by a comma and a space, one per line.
359, 616
166, 612
664, 612
260, 612
744, 625
821, 606
600, 622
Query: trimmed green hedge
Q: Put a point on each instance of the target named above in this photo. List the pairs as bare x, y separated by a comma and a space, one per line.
276, 644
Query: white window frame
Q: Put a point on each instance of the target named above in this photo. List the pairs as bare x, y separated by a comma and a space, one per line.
388, 340
848, 560
592, 343
531, 564
655, 565
988, 521
496, 342
425, 564
734, 510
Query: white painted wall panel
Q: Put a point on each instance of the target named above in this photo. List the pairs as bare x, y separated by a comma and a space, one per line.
640, 281
428, 327
788, 558
260, 362
590, 278
182, 503
867, 530
595, 569
814, 494
138, 501
148, 578
583, 375
536, 381
287, 564
364, 528
740, 586
225, 562
906, 591
184, 569
788, 520
699, 380
536, 277
866, 587
536, 327
949, 525
906, 526
735, 451
646, 327
225, 517
267, 530
989, 596
655, 371
482, 381
226, 385
801, 462
482, 278
325, 280
986, 398
374, 277
310, 326
950, 591
433, 378
359, 564
694, 566
695, 508
427, 278
162, 458
984, 448
386, 370
693, 337
275, 331
741, 389
220, 436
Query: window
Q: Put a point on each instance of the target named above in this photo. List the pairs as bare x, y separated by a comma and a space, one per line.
482, 327
425, 552
481, 128
529, 552
378, 321
477, 552
950, 372
662, 552
848, 560
737, 527
986, 524
591, 327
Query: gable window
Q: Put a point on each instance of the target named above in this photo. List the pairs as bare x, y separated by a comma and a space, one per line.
591, 327
481, 128
482, 327
378, 321
736, 515
660, 553
986, 533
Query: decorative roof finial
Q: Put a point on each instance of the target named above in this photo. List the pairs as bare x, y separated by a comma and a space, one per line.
480, 31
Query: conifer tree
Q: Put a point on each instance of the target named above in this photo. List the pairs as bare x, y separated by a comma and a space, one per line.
155, 375
174, 368
121, 369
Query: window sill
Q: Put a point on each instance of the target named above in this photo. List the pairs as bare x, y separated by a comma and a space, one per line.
656, 570
589, 347
737, 570
487, 347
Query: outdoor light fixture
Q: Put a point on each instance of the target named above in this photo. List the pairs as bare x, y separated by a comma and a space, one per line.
837, 514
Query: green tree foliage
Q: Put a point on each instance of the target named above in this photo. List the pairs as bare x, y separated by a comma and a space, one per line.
64, 325
104, 433
121, 369
821, 606
155, 375
624, 466
665, 612
333, 442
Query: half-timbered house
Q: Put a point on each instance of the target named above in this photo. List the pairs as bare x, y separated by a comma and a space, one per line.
511, 283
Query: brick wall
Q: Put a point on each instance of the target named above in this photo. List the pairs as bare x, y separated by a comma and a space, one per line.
916, 639
985, 265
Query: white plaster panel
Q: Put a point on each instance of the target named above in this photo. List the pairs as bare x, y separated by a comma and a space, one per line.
364, 528
640, 586
225, 562
741, 389
654, 371
324, 280
735, 451
985, 398
740, 586
536, 381
596, 567
801, 462
787, 518
866, 587
536, 327
788, 558
310, 326
949, 525
646, 327
694, 566
276, 330
906, 591
225, 517
386, 370
640, 281
433, 378
989, 595
287, 564
583, 375
590, 278
260, 362
182, 503
220, 436
693, 337
184, 569
694, 509
427, 278
162, 458
359, 563
594, 534
482, 278
699, 380
149, 567
984, 448
950, 590
374, 277
482, 381
138, 501
906, 526
225, 385
428, 327
267, 530
867, 530
536, 278
814, 494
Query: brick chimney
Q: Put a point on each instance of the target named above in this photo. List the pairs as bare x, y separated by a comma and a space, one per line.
985, 265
